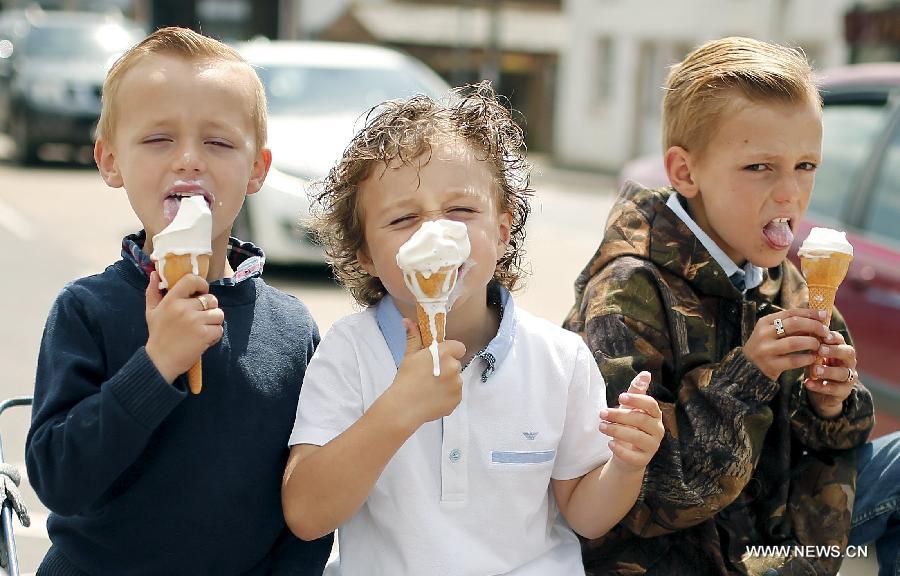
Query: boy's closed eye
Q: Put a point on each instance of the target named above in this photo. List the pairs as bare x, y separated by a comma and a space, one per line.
460, 212
218, 142
156, 140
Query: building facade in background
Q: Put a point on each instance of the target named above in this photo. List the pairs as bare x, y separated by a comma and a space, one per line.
586, 75
618, 55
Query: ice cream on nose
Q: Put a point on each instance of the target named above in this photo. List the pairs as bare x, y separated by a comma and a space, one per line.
430, 262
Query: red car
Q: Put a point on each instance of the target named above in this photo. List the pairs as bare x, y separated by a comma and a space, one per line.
857, 190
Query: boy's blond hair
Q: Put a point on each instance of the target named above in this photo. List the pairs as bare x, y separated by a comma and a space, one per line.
701, 87
191, 46
402, 131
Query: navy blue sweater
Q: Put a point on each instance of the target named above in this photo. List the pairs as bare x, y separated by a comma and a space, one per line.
142, 477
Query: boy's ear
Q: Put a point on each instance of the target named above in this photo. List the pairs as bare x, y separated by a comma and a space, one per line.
105, 158
505, 230
362, 256
678, 167
260, 169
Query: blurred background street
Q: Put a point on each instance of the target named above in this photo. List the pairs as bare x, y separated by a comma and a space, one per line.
584, 78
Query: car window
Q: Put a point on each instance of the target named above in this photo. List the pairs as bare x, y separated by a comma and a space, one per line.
79, 41
299, 90
884, 207
851, 131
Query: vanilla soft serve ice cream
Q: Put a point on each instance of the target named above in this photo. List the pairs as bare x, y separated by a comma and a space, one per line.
822, 242
435, 245
430, 262
189, 233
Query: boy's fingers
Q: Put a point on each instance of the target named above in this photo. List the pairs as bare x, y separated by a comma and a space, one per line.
413, 337
637, 419
638, 438
453, 347
642, 402
153, 293
214, 317
805, 313
791, 344
802, 325
211, 302
792, 361
189, 285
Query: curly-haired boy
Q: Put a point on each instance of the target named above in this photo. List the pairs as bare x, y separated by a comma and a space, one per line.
466, 472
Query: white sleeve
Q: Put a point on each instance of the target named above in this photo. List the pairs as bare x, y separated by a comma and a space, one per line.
331, 397
582, 446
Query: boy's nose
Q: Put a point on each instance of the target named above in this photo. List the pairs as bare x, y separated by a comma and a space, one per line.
188, 161
789, 189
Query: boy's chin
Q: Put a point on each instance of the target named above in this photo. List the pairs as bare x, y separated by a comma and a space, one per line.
771, 259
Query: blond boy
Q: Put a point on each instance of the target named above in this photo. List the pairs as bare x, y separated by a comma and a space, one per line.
691, 284
140, 476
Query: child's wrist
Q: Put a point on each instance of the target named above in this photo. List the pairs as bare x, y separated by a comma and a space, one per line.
393, 411
625, 469
167, 373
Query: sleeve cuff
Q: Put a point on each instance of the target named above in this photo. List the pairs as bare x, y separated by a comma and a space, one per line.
742, 379
142, 392
849, 430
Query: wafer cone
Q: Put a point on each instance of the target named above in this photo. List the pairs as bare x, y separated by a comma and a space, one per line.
171, 268
823, 276
434, 292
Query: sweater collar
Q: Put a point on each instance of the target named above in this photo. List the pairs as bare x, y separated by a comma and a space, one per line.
246, 259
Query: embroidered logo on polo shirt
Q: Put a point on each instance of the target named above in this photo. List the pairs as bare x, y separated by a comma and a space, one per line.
530, 435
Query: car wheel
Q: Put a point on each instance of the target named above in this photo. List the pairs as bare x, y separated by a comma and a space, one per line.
26, 148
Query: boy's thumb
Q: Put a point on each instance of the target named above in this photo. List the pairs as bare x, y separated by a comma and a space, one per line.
640, 384
413, 337
154, 295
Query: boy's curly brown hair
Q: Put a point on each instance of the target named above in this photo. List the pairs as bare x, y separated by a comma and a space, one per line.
404, 130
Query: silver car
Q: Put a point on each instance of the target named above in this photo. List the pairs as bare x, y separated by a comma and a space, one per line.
318, 95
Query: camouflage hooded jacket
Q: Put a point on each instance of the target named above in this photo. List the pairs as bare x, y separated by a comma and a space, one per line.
745, 460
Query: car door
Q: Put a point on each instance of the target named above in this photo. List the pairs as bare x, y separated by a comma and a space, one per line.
876, 276
855, 188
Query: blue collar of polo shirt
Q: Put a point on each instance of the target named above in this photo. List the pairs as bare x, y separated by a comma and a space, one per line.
390, 322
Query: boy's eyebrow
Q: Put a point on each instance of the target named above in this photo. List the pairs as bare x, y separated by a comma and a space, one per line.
167, 123
763, 156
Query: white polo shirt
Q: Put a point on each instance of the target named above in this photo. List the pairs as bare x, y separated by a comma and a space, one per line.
468, 494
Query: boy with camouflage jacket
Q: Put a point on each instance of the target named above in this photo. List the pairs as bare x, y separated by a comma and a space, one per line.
686, 285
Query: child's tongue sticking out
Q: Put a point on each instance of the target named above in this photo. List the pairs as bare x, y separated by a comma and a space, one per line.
778, 233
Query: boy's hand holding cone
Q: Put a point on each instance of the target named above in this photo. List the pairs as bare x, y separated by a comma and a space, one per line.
825, 257
430, 261
182, 249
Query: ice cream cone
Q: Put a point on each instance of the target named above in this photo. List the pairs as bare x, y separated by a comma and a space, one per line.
824, 273
430, 261
440, 326
432, 296
825, 257
171, 268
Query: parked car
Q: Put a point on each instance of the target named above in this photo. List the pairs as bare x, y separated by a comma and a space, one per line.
318, 95
52, 66
857, 190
